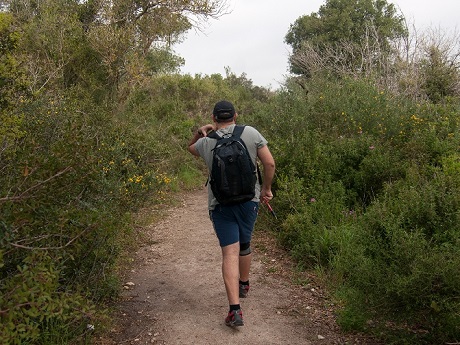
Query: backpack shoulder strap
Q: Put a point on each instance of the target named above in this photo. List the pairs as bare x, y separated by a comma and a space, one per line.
214, 135
237, 131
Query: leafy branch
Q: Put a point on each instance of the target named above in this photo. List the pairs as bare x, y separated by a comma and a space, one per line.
17, 245
24, 195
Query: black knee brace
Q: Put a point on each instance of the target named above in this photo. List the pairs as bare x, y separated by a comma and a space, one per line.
245, 249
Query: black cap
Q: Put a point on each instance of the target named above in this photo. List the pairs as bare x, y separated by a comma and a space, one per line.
224, 110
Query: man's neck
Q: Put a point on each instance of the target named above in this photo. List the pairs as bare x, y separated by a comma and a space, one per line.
221, 125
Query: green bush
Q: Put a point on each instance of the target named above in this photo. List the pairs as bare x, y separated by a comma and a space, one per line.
77, 173
66, 190
404, 264
310, 230
383, 173
31, 299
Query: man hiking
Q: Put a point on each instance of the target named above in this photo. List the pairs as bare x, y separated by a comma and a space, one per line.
234, 216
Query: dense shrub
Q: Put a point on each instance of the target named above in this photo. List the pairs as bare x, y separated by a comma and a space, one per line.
403, 267
66, 191
73, 174
367, 191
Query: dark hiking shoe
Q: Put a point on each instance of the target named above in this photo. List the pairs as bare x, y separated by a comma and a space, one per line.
234, 318
244, 289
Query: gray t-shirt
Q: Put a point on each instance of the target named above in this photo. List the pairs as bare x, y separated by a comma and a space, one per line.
253, 140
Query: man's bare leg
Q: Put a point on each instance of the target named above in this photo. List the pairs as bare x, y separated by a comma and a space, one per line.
230, 271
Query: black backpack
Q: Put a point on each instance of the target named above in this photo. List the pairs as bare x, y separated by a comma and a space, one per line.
233, 173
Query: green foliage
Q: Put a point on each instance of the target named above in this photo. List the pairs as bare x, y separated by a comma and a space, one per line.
103, 45
403, 265
311, 233
440, 75
13, 83
163, 61
53, 46
367, 190
346, 20
65, 192
31, 298
77, 172
356, 22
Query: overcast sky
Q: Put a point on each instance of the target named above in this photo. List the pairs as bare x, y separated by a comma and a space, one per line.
250, 39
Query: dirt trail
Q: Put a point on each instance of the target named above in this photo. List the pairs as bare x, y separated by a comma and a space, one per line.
175, 294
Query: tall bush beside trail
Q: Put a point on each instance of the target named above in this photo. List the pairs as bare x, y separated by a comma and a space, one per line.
66, 194
349, 131
333, 133
283, 120
404, 267
367, 190
311, 231
77, 171
45, 210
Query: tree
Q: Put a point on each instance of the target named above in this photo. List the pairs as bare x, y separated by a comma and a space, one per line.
440, 66
110, 42
374, 23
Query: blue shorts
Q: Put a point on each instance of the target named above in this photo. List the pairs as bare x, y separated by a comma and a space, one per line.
234, 223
